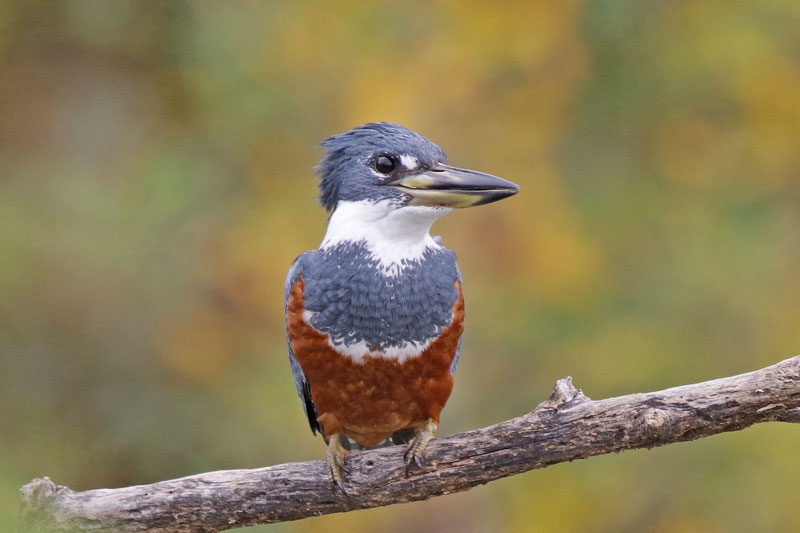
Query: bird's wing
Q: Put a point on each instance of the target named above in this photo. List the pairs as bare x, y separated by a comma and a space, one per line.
300, 381
454, 364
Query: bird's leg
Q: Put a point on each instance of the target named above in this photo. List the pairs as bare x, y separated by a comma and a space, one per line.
416, 448
334, 458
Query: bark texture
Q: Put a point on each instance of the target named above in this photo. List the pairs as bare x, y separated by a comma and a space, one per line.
565, 427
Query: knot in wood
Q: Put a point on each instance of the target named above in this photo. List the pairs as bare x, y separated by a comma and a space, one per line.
367, 465
39, 490
563, 393
657, 423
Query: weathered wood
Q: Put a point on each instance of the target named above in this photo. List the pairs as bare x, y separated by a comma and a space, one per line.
567, 426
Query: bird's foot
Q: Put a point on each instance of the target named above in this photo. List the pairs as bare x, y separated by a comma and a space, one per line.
334, 458
416, 448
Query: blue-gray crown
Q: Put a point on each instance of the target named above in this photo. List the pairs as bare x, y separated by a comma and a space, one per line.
350, 167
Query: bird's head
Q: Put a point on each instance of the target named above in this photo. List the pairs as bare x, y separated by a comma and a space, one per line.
386, 185
385, 162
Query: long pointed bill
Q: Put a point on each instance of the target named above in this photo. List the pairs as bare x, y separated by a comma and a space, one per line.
449, 186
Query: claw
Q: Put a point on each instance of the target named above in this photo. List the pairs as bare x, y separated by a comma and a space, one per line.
416, 448
334, 458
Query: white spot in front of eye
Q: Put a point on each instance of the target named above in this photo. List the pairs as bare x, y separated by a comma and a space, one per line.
409, 161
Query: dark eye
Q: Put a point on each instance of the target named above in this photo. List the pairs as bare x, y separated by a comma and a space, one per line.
385, 164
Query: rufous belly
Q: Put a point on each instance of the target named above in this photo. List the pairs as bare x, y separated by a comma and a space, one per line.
370, 399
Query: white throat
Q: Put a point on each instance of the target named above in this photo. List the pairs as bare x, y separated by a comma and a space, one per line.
392, 234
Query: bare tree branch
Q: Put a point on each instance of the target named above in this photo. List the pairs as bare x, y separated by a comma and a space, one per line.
567, 426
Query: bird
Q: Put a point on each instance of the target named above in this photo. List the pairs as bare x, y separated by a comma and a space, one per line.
374, 316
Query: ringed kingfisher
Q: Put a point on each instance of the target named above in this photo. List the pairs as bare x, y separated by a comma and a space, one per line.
374, 316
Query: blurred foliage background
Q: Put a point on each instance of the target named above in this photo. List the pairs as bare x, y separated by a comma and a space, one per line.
156, 182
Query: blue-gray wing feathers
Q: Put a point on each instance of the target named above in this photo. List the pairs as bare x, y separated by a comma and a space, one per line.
300, 381
454, 364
